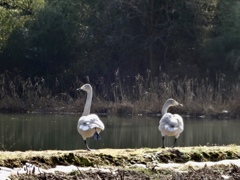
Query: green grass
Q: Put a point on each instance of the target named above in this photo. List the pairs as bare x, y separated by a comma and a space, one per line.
120, 157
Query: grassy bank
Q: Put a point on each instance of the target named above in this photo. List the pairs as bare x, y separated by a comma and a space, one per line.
119, 157
143, 162
126, 95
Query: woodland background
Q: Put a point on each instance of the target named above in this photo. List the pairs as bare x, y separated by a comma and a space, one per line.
135, 53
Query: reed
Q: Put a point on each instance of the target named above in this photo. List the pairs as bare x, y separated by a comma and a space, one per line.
142, 94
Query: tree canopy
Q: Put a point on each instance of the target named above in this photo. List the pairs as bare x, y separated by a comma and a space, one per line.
63, 38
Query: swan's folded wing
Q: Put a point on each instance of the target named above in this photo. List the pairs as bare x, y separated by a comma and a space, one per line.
168, 119
171, 128
89, 122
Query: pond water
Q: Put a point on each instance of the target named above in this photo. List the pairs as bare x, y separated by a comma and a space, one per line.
44, 132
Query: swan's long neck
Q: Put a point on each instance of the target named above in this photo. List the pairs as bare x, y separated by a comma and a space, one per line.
88, 104
165, 108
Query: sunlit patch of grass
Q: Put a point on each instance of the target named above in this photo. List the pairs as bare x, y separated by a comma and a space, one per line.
119, 157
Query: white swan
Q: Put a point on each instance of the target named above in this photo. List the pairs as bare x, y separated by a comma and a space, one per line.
89, 124
170, 124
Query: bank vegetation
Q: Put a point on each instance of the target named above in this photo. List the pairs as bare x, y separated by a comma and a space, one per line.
136, 54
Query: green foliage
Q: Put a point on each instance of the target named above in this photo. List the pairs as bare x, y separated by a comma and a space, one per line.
140, 35
51, 38
13, 18
13, 15
221, 50
66, 39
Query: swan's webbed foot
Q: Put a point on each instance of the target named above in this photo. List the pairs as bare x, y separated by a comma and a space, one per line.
96, 136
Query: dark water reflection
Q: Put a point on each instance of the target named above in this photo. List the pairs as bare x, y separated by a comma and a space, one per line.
42, 132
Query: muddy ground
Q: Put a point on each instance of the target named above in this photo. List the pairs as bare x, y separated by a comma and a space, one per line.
141, 163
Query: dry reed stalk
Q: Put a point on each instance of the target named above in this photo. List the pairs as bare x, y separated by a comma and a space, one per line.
139, 94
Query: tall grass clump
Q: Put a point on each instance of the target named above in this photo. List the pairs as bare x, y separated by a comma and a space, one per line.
141, 94
144, 94
18, 94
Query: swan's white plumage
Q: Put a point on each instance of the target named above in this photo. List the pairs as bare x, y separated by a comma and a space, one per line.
170, 124
91, 121
89, 124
